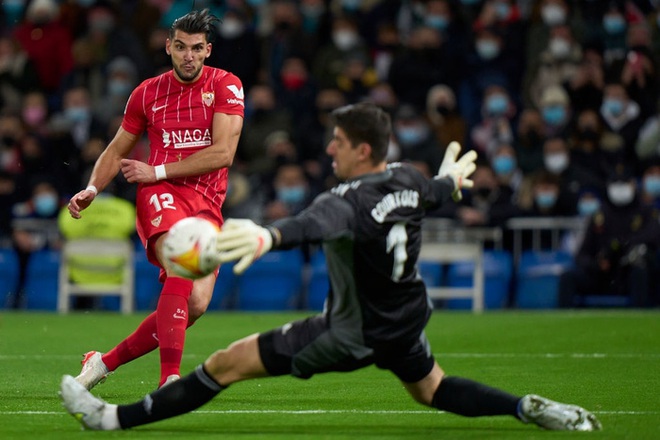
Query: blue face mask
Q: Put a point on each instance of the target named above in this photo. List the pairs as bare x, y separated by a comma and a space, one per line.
545, 199
487, 49
612, 106
554, 115
588, 207
614, 24
497, 105
503, 165
652, 185
77, 114
13, 9
291, 195
119, 87
411, 135
439, 22
502, 10
351, 5
45, 205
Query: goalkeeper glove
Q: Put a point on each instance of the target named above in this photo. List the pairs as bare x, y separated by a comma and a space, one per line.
242, 240
458, 170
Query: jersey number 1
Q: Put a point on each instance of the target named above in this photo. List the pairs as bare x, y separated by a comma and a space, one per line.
397, 239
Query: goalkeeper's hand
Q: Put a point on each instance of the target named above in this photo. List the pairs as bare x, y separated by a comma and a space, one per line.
242, 240
458, 170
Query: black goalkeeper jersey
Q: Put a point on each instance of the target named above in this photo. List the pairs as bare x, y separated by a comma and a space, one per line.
371, 233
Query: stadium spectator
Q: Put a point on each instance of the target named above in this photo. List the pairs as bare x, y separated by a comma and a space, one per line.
356, 78
47, 43
34, 227
88, 70
295, 88
291, 192
121, 78
529, 140
416, 140
556, 111
650, 184
18, 74
377, 306
447, 122
35, 113
618, 255
504, 163
639, 75
199, 115
543, 195
585, 87
497, 121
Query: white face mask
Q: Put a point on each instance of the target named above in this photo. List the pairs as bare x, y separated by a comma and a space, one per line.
560, 47
231, 28
553, 15
345, 40
556, 162
621, 193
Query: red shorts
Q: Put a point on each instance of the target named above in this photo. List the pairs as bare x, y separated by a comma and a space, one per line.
159, 205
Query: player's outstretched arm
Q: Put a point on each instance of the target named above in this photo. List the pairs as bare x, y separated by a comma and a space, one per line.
243, 240
459, 170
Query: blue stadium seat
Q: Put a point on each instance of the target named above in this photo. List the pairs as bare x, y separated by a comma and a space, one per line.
537, 279
431, 272
8, 274
41, 281
498, 273
147, 286
225, 289
273, 282
319, 284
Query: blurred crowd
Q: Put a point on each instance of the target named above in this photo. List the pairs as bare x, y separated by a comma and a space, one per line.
559, 98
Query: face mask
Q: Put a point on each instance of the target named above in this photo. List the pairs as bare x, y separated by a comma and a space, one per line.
559, 47
292, 81
484, 193
411, 135
503, 165
545, 199
102, 24
45, 205
442, 109
588, 207
312, 11
291, 195
34, 115
13, 8
553, 115
652, 185
614, 24
612, 106
553, 15
345, 40
502, 10
497, 104
487, 49
231, 28
620, 193
470, 2
439, 22
119, 87
588, 134
556, 163
77, 114
351, 5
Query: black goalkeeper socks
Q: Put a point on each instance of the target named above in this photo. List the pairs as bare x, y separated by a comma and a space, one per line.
472, 399
179, 397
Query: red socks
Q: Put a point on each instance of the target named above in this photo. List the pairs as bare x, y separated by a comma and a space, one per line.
165, 328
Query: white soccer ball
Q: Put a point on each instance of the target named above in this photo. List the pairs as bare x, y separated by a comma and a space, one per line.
190, 248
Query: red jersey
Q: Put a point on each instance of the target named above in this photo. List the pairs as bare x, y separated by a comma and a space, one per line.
178, 118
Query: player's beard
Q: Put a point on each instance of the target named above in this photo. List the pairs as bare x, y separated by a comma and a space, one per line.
187, 77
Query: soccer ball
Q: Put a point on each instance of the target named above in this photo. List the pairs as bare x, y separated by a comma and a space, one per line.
189, 248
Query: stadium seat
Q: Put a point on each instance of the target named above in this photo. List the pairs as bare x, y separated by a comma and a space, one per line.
41, 280
147, 286
8, 274
537, 279
224, 293
273, 282
498, 273
431, 272
319, 284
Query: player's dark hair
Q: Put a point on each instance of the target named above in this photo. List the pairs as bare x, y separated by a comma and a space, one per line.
365, 122
196, 22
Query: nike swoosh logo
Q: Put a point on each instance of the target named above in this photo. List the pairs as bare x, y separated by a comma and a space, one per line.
155, 109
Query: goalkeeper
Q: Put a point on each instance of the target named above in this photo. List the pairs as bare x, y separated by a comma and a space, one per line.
377, 306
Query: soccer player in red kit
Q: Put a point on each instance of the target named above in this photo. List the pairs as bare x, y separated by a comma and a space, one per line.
193, 116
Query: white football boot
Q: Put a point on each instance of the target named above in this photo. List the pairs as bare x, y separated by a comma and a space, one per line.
556, 416
93, 370
91, 412
171, 378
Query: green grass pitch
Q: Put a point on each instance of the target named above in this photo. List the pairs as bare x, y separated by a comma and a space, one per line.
605, 360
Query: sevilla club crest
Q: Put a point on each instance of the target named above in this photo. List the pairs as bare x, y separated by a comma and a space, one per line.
208, 98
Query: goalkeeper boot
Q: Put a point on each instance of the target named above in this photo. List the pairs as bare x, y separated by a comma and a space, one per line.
91, 412
556, 416
93, 370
